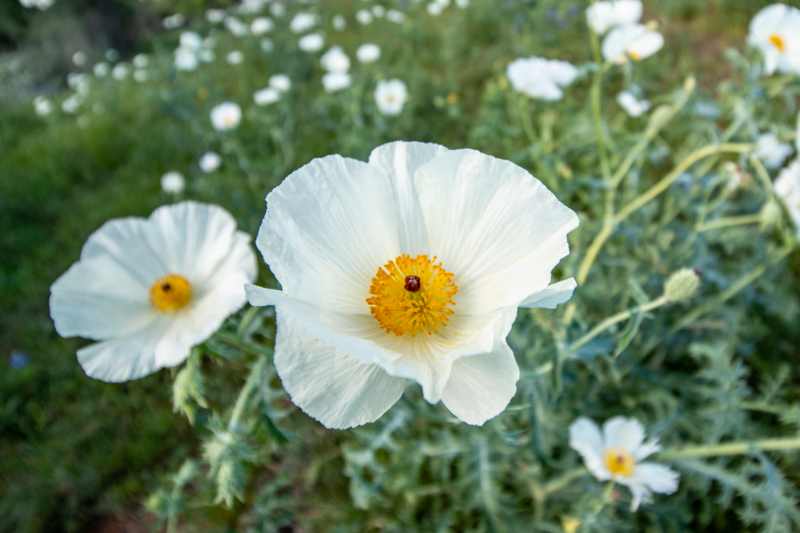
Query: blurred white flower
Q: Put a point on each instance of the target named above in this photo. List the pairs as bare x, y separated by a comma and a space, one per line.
602, 16
616, 454
78, 82
339, 23
140, 75
277, 9
266, 96
215, 16
185, 59
235, 57
462, 3
775, 31
79, 59
261, 25
787, 187
120, 71
148, 290
280, 82
251, 7
313, 42
266, 45
631, 104
141, 61
436, 7
335, 60
378, 11
351, 331
101, 70
37, 4
42, 106
226, 116
173, 21
541, 78
235, 26
71, 104
363, 17
771, 150
393, 15
391, 96
302, 22
191, 40
209, 162
632, 42
368, 53
173, 183
336, 81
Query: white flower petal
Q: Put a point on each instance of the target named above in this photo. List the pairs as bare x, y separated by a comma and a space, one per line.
656, 477
586, 439
329, 385
624, 433
647, 449
554, 295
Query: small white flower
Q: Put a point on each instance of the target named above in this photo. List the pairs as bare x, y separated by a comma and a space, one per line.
37, 4
302, 22
277, 9
191, 40
787, 187
173, 183
79, 59
617, 453
313, 42
235, 26
226, 116
631, 104
632, 42
393, 15
541, 78
140, 75
335, 61
209, 162
281, 82
436, 7
339, 23
174, 21
149, 289
771, 150
43, 106
185, 59
141, 61
71, 104
101, 70
78, 82
391, 96
368, 53
261, 25
235, 57
602, 16
473, 236
775, 31
378, 11
363, 17
215, 16
266, 96
120, 72
336, 81
463, 4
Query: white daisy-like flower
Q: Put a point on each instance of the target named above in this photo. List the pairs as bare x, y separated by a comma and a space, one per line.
335, 61
226, 116
120, 72
313, 42
632, 105
391, 96
185, 59
266, 96
149, 289
771, 150
407, 269
378, 11
775, 31
368, 53
79, 59
191, 40
302, 22
787, 187
173, 182
210, 162
336, 81
101, 70
363, 17
632, 42
215, 16
141, 61
235, 26
617, 454
42, 106
541, 78
602, 16
281, 82
261, 25
71, 103
235, 57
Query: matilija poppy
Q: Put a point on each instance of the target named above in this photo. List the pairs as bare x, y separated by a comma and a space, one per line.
408, 268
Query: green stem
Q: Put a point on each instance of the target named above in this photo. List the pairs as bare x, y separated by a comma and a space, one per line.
250, 386
727, 222
733, 448
616, 319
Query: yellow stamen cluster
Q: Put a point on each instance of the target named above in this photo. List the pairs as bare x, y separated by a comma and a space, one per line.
171, 293
619, 462
778, 42
411, 295
634, 55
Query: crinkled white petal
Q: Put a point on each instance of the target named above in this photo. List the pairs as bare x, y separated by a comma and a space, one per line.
586, 439
631, 40
602, 16
624, 433
648, 478
552, 296
331, 386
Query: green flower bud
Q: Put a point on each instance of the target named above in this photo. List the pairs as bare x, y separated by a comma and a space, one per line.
681, 285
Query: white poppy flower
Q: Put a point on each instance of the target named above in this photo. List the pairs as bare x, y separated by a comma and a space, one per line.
235, 26
335, 61
541, 78
393, 15
336, 81
149, 289
235, 57
368, 53
303, 22
632, 105
215, 16
209, 162
226, 116
281, 82
313, 42
141, 61
101, 70
266, 96
633, 42
277, 10
409, 268
363, 17
185, 59
173, 183
120, 72
37, 4
771, 150
43, 106
261, 25
339, 23
391, 96
378, 11
787, 187
71, 103
79, 58
173, 21
775, 31
617, 454
602, 16
191, 40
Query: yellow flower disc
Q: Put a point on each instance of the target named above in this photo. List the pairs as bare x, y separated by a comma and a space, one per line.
411, 295
171, 293
619, 462
778, 42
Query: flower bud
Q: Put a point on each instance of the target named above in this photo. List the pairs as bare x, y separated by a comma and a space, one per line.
770, 215
681, 285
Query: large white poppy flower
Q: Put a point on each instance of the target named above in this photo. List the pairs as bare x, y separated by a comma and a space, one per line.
632, 42
408, 268
150, 289
775, 31
617, 454
602, 16
541, 78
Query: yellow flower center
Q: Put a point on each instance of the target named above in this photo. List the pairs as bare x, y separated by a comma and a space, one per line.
410, 295
778, 42
619, 462
634, 55
171, 293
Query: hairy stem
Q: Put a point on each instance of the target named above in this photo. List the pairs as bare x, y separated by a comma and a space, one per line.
733, 448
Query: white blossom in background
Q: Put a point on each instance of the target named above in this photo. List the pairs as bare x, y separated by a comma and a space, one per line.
141, 61
185, 59
336, 81
101, 70
173, 182
424, 292
378, 11
148, 290
463, 4
302, 22
71, 104
313, 42
335, 60
236, 27
368, 53
632, 105
633, 42
235, 57
339, 23
787, 187
363, 17
78, 82
210, 162
617, 453
42, 106
79, 59
602, 16
437, 7
281, 82
226, 116
251, 7
266, 96
771, 150
391, 96
120, 72
140, 75
393, 15
37, 4
277, 10
261, 25
541, 78
173, 21
215, 16
775, 31
191, 40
